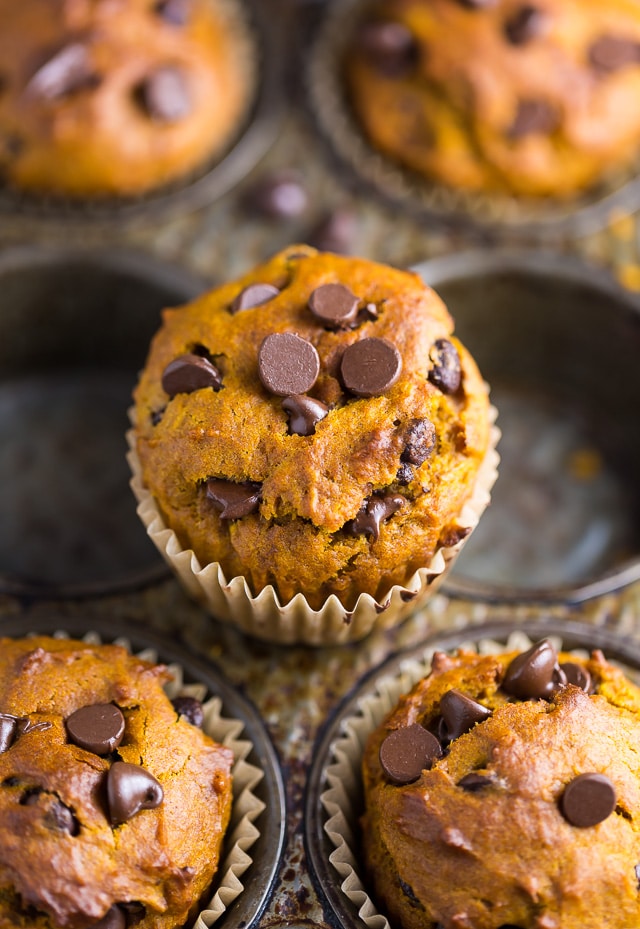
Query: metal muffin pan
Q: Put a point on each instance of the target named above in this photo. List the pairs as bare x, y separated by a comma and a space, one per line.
74, 332
558, 341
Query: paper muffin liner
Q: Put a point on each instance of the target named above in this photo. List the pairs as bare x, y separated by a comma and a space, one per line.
342, 798
263, 615
530, 217
241, 832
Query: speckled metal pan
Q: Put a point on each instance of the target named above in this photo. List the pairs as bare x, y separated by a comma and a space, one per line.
559, 342
74, 332
528, 220
402, 666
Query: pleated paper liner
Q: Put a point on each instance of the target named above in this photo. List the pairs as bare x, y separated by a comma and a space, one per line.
528, 219
264, 617
334, 798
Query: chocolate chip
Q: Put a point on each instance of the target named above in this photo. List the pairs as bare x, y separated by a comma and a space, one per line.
114, 918
407, 890
56, 815
156, 416
176, 12
164, 94
461, 713
287, 364
130, 789
334, 305
252, 296
420, 441
526, 24
370, 367
610, 53
8, 728
405, 474
389, 46
377, 509
190, 708
576, 675
98, 728
190, 372
406, 753
474, 782
334, 232
445, 373
304, 414
588, 800
533, 116
278, 195
68, 71
531, 674
234, 500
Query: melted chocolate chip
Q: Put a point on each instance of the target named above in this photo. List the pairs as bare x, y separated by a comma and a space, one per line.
8, 728
334, 305
460, 713
130, 788
611, 53
164, 94
576, 675
252, 296
474, 782
114, 918
406, 753
68, 71
278, 195
445, 373
304, 414
533, 116
420, 441
526, 24
532, 674
375, 510
370, 367
190, 708
98, 728
234, 500
389, 46
287, 364
588, 800
188, 373
176, 12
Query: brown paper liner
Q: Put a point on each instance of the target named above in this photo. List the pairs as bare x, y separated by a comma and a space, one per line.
264, 616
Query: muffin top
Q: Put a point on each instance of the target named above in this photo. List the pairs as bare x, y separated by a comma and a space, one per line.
504, 790
531, 98
113, 804
314, 425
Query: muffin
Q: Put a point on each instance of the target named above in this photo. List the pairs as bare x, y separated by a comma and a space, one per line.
313, 428
113, 801
102, 98
504, 790
501, 96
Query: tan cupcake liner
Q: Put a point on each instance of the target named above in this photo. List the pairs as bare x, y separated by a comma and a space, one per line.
343, 773
242, 832
295, 622
533, 217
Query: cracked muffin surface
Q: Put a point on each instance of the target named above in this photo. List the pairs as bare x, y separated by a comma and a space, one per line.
314, 425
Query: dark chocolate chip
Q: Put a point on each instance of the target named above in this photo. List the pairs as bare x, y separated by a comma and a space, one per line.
190, 708
389, 46
407, 890
164, 94
68, 71
405, 474
473, 782
461, 713
445, 373
130, 788
156, 416
531, 674
114, 918
98, 728
576, 675
420, 441
526, 24
287, 364
234, 500
304, 414
334, 232
377, 509
610, 53
8, 728
252, 296
176, 12
334, 305
533, 116
57, 816
188, 373
406, 753
278, 195
588, 800
370, 367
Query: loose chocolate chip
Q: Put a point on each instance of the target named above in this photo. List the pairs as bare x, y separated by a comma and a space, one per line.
8, 728
420, 441
406, 753
334, 305
190, 372
576, 675
287, 364
473, 782
176, 12
375, 510
531, 674
304, 414
114, 918
610, 53
370, 367
234, 500
445, 373
252, 296
190, 708
461, 713
164, 94
334, 232
97, 728
588, 800
389, 46
533, 116
68, 71
524, 25
130, 789
279, 195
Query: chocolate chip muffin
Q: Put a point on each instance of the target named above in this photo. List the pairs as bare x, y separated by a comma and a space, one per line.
113, 802
314, 427
528, 98
504, 791
117, 97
